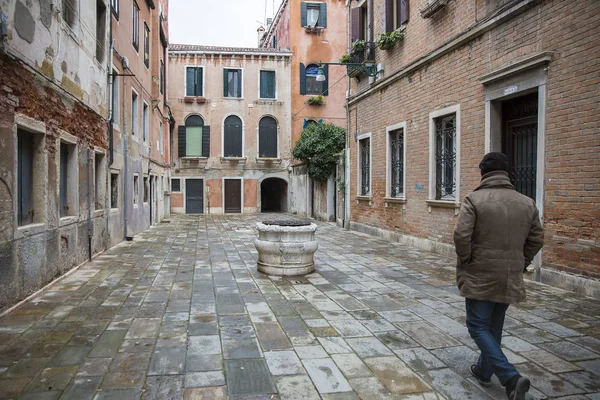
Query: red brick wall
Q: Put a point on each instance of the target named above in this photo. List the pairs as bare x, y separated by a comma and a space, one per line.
571, 30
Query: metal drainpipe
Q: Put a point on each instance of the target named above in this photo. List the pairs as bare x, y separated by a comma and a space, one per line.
347, 149
89, 193
125, 162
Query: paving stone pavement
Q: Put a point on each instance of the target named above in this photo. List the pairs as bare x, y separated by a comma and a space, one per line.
181, 312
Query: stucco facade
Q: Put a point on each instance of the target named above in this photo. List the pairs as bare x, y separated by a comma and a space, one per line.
213, 170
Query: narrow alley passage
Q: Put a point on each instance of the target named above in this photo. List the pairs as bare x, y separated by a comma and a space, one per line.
180, 312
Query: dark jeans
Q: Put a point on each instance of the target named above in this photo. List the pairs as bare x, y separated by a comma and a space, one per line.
485, 320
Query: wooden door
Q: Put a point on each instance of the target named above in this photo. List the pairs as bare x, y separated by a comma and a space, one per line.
233, 195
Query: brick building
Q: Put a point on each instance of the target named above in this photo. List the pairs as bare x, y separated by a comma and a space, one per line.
232, 108
466, 78
314, 31
140, 131
53, 130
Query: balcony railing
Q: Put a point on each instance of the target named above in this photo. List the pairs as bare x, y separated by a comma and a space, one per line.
359, 57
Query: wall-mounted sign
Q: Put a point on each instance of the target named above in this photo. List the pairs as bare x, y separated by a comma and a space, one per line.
510, 90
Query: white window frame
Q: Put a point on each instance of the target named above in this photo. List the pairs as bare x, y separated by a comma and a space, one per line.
145, 121
72, 176
241, 178
358, 165
135, 123
388, 159
276, 85
185, 68
112, 172
146, 179
258, 136
223, 135
455, 109
135, 183
100, 186
242, 83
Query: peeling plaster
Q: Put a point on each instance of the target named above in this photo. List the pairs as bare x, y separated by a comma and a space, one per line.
24, 22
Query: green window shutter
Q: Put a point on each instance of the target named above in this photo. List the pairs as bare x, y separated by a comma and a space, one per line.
403, 11
302, 79
206, 141
225, 82
194, 141
181, 146
272, 84
240, 83
303, 16
323, 15
190, 81
325, 83
199, 82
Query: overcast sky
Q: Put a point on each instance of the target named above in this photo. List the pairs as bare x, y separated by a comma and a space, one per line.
218, 23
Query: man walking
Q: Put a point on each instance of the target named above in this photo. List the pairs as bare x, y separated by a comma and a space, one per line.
497, 234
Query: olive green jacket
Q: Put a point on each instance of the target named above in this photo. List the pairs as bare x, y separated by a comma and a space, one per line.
497, 234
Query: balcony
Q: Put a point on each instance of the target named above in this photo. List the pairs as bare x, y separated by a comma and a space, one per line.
359, 57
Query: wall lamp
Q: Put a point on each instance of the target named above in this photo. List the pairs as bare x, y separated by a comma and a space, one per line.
367, 69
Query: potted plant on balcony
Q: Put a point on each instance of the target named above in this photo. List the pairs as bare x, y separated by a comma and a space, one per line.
345, 58
315, 100
358, 46
387, 40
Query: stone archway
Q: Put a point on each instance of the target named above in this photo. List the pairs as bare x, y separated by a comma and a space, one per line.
274, 195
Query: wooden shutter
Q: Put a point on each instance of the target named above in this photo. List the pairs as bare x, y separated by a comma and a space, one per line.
323, 15
206, 141
403, 12
199, 82
303, 19
267, 137
190, 82
240, 83
263, 84
389, 15
181, 145
225, 82
357, 24
302, 79
325, 83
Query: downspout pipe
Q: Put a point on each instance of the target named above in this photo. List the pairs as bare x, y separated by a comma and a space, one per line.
111, 155
90, 225
125, 166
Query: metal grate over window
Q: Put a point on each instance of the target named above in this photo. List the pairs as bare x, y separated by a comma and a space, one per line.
397, 162
365, 167
445, 158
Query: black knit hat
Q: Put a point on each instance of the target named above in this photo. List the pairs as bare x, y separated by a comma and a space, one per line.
493, 162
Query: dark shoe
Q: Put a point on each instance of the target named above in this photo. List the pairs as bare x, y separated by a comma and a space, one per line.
482, 381
517, 390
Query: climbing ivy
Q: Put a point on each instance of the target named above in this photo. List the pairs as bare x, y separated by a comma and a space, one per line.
319, 147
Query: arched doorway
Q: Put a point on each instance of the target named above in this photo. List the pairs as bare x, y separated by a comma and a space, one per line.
273, 195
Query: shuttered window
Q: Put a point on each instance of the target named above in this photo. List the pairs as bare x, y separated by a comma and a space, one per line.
313, 14
232, 137
267, 84
146, 45
396, 14
193, 138
194, 81
267, 138
232, 82
135, 37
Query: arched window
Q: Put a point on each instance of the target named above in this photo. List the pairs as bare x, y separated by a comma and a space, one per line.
194, 138
232, 137
267, 138
308, 80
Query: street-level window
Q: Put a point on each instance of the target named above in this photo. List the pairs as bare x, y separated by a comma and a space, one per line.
267, 138
99, 181
114, 190
314, 14
396, 160
136, 189
267, 84
175, 185
30, 177
146, 189
364, 162
194, 81
68, 179
146, 46
445, 157
145, 121
135, 38
232, 137
232, 82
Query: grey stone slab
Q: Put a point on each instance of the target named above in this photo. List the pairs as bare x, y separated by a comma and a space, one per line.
298, 387
427, 335
326, 376
399, 316
446, 325
533, 335
396, 340
557, 329
143, 328
569, 351
458, 358
118, 394
584, 380
546, 382
52, 378
549, 361
334, 345
94, 367
50, 395
203, 362
167, 361
26, 367
283, 363
70, 355
368, 347
351, 366
205, 393
123, 380
396, 376
203, 328
588, 342
130, 362
419, 359
204, 379
378, 325
203, 345
241, 348
248, 377
306, 352
163, 388
593, 366
517, 344
271, 336
350, 328
108, 344
82, 388
453, 386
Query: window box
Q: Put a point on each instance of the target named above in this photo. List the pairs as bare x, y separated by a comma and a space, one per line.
316, 101
313, 29
188, 99
200, 100
433, 7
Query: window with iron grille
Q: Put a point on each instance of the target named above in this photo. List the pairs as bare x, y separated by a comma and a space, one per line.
396, 160
445, 157
175, 185
364, 148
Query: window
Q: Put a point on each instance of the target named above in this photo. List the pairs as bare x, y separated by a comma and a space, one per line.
194, 81
396, 14
30, 177
194, 138
364, 163
232, 137
232, 82
134, 113
115, 97
146, 45
99, 181
445, 157
146, 189
100, 29
136, 189
175, 185
68, 180
145, 122
114, 190
161, 137
114, 5
359, 22
308, 80
135, 37
162, 77
267, 84
395, 169
314, 14
69, 10
267, 138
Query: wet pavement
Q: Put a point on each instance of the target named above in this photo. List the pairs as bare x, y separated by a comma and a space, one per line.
181, 312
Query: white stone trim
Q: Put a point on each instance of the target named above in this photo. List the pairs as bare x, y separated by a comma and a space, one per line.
388, 169
258, 135
241, 178
358, 170
223, 134
455, 109
185, 68
276, 85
